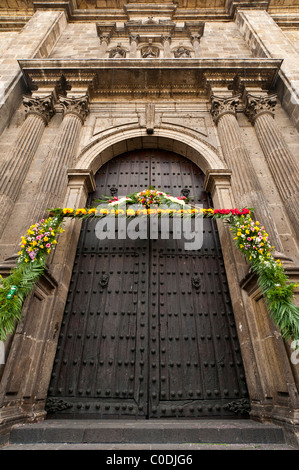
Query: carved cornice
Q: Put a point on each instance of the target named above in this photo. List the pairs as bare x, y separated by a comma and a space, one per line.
41, 106
223, 105
257, 105
75, 105
104, 78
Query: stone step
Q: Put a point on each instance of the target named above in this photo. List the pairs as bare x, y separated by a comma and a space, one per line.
135, 432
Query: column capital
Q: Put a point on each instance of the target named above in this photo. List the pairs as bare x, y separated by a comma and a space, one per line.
42, 106
77, 105
255, 105
223, 105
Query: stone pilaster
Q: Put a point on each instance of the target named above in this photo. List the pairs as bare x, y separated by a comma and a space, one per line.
285, 172
166, 40
246, 188
54, 180
104, 41
134, 39
195, 39
13, 173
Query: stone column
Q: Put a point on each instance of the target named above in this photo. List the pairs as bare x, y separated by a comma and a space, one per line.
285, 172
13, 173
54, 180
134, 39
245, 184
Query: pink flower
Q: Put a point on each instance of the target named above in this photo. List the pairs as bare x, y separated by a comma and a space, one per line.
48, 245
249, 239
39, 237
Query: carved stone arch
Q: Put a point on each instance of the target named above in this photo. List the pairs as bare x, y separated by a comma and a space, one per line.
109, 144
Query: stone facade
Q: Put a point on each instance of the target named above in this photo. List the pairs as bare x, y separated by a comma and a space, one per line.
82, 82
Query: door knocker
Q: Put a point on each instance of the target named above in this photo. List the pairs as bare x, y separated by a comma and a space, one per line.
195, 281
104, 280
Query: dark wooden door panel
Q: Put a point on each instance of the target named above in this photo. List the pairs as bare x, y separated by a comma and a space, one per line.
148, 329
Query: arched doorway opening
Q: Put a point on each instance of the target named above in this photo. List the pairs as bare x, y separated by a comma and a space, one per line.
148, 329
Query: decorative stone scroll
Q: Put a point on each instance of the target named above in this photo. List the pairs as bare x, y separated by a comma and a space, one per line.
223, 105
257, 105
75, 105
43, 106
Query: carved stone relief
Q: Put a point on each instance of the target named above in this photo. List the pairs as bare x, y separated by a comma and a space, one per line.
40, 106
117, 52
150, 51
182, 52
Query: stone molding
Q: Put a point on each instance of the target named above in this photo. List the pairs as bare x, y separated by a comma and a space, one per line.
259, 104
177, 77
223, 105
41, 106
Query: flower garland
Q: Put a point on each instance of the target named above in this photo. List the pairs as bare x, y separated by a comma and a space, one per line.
31, 263
250, 237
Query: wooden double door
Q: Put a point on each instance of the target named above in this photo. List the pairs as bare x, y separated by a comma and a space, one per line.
148, 329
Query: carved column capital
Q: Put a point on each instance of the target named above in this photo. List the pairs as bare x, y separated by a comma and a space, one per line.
223, 105
259, 104
75, 105
41, 106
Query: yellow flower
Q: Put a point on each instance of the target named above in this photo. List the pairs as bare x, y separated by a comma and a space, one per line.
80, 211
92, 211
130, 212
42, 246
46, 239
104, 211
239, 234
68, 210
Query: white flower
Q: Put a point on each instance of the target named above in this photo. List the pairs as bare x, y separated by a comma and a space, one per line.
120, 201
